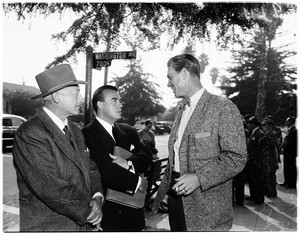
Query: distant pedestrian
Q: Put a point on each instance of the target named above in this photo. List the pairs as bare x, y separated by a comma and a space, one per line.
290, 153
148, 138
258, 163
278, 137
272, 142
207, 148
239, 179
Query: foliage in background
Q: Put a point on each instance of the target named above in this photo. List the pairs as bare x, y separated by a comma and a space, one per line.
139, 96
109, 23
280, 85
142, 24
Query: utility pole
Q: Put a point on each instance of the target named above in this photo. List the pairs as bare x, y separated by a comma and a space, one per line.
107, 50
88, 88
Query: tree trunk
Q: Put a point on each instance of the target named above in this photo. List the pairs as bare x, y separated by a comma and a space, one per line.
260, 111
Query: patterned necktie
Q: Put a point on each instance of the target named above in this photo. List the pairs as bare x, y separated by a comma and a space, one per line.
183, 103
68, 135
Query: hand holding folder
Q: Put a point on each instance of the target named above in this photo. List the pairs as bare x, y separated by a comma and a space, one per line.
135, 201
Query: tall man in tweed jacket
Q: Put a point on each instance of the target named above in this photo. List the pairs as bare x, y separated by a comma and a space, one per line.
207, 148
59, 185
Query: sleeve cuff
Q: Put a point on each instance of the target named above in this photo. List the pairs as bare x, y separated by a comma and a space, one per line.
97, 195
138, 184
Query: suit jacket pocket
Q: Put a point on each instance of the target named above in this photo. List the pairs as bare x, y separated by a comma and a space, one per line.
202, 134
203, 144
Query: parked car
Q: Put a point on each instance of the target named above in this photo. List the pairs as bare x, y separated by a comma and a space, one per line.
165, 125
10, 124
159, 130
139, 125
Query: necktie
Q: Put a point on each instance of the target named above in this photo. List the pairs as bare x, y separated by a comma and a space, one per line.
115, 133
183, 103
68, 135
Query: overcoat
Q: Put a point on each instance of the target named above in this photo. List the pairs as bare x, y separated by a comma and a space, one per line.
56, 182
289, 157
214, 147
118, 217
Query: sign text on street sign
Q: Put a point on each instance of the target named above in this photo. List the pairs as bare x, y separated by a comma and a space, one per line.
101, 63
115, 55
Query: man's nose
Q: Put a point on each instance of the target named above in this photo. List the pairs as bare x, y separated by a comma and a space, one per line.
80, 98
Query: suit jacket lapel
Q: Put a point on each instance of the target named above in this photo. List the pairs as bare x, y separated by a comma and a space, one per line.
60, 139
105, 137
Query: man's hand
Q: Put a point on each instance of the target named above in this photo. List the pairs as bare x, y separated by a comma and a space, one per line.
186, 184
120, 161
95, 216
144, 184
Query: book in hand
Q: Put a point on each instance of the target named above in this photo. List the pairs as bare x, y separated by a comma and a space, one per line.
134, 201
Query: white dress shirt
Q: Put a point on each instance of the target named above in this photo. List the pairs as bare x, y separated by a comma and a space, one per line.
108, 127
56, 120
186, 115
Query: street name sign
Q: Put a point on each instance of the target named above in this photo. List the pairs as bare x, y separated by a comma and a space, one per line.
103, 59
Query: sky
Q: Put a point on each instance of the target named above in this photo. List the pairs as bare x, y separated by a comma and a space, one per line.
28, 49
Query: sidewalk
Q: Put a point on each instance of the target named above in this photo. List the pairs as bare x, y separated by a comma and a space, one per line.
276, 214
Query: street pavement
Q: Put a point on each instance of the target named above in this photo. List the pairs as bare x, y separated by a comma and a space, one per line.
276, 214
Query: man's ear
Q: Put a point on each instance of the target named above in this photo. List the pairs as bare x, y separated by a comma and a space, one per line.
185, 73
100, 105
55, 97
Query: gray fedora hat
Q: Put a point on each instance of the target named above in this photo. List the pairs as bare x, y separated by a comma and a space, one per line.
56, 78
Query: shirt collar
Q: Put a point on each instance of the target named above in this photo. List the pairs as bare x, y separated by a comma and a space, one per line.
55, 119
105, 124
196, 97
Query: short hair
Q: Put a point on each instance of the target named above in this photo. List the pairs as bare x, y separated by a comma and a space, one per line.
98, 94
148, 121
187, 61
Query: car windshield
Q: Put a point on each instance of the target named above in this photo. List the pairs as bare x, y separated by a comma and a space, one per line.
12, 122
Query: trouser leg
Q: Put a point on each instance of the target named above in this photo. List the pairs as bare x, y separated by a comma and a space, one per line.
175, 208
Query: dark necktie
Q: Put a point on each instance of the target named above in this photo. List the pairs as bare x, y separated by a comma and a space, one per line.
115, 133
68, 135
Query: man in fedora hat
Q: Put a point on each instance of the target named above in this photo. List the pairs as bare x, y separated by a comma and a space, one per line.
59, 186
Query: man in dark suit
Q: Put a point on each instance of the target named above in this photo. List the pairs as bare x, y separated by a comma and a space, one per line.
258, 161
289, 150
59, 186
101, 136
